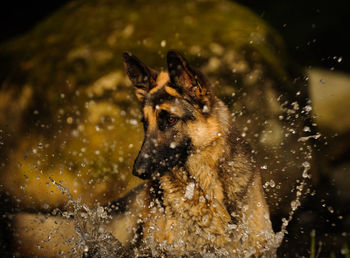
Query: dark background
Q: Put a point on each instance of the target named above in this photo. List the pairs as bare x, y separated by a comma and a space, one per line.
315, 31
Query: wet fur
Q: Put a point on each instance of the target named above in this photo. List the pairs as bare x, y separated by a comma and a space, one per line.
226, 211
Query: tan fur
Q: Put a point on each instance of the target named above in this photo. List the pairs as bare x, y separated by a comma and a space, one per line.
203, 221
172, 92
171, 108
204, 132
140, 94
150, 115
162, 79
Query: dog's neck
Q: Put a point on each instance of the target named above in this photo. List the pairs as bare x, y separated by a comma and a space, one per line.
199, 175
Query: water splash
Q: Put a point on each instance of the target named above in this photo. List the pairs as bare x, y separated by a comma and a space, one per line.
89, 224
94, 240
306, 138
296, 203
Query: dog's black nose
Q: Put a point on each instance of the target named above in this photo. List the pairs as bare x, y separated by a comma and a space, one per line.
142, 166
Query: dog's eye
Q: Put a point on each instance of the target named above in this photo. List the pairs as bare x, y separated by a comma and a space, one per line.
172, 120
166, 120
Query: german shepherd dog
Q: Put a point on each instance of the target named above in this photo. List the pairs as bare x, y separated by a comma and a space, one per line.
203, 195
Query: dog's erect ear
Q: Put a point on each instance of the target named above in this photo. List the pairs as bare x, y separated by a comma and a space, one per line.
141, 76
184, 76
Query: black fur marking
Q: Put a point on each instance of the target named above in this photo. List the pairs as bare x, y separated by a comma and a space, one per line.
140, 75
122, 205
155, 159
163, 120
159, 97
157, 192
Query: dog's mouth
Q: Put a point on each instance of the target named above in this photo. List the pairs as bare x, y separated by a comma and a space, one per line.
145, 169
161, 161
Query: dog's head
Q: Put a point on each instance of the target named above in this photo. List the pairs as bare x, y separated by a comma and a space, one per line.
175, 109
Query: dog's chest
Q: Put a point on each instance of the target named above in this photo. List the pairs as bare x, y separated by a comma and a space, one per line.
186, 219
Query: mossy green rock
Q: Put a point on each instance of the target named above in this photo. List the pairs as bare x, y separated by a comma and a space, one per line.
69, 114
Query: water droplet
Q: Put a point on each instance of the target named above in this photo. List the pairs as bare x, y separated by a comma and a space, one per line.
295, 204
304, 139
330, 209
69, 120
306, 164
308, 108
172, 145
295, 105
313, 233
231, 226
133, 121
306, 174
344, 251
306, 129
189, 191
205, 109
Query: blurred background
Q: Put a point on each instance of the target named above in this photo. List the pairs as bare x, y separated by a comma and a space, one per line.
67, 110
